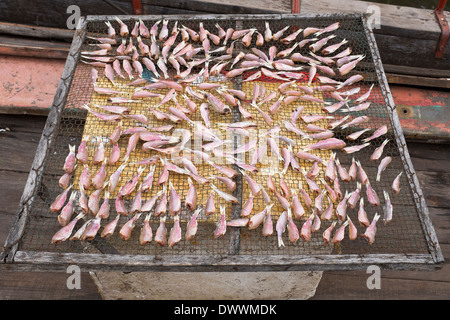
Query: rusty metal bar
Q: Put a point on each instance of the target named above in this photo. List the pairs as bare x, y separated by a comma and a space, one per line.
137, 7
295, 6
443, 39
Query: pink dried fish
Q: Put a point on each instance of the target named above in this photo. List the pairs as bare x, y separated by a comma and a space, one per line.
297, 207
64, 180
316, 46
382, 166
346, 68
70, 161
326, 235
217, 104
396, 183
313, 186
221, 226
136, 205
146, 234
210, 206
352, 230
340, 233
103, 212
378, 151
370, 232
354, 197
328, 212
239, 222
341, 209
357, 134
129, 187
115, 154
258, 218
343, 173
174, 200
308, 156
175, 232
292, 127
332, 195
60, 200
353, 149
94, 200
388, 209
362, 214
356, 121
332, 48
352, 171
334, 107
148, 205
192, 225
104, 116
306, 228
161, 232
378, 133
99, 178
110, 227
64, 233
120, 207
361, 173
226, 196
115, 178
330, 171
337, 123
365, 96
91, 229
161, 207
127, 228
67, 210
372, 196
191, 196
82, 153
327, 144
82, 200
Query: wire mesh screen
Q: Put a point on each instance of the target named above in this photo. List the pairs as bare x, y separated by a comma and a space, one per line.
404, 234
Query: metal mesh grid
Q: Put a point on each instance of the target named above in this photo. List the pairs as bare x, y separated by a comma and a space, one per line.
403, 235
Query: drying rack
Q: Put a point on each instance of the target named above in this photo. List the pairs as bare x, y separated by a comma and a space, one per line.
409, 242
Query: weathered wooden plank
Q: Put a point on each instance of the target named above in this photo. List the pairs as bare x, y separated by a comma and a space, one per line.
436, 187
12, 146
441, 222
25, 30
353, 286
45, 286
416, 71
429, 151
46, 13
398, 50
14, 183
150, 9
418, 81
105, 262
33, 48
211, 7
394, 284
